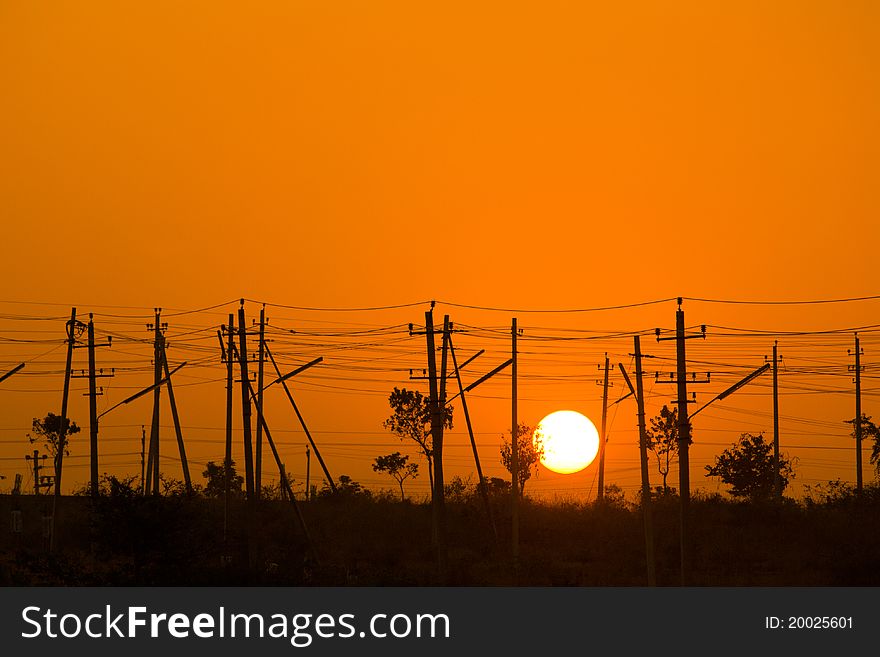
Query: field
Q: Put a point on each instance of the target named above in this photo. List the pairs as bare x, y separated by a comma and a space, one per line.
831, 539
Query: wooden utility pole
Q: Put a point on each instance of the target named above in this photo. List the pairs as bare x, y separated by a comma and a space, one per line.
143, 458
777, 483
514, 453
302, 422
181, 448
153, 458
684, 432
857, 368
308, 474
437, 412
37, 459
261, 357
227, 459
481, 486
62, 429
643, 461
604, 437
93, 394
245, 404
93, 411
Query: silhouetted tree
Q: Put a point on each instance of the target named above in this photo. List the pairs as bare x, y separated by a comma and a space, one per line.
663, 441
747, 467
215, 476
529, 453
48, 429
411, 419
870, 431
397, 467
345, 487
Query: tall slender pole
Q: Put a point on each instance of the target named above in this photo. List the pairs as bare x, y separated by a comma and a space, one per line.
258, 456
245, 405
777, 488
484, 493
643, 460
308, 473
604, 438
62, 429
302, 421
153, 462
514, 453
93, 411
227, 459
858, 426
181, 448
436, 433
684, 441
143, 458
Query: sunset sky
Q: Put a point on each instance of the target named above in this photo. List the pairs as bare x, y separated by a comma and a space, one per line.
553, 155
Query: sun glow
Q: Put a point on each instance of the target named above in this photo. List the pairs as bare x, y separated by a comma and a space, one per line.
569, 441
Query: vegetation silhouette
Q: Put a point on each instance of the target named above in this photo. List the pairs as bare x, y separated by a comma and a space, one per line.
396, 466
747, 467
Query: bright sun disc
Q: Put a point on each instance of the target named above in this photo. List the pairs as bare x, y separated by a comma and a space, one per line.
570, 441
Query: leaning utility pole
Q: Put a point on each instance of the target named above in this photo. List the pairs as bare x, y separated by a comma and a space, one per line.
857, 368
481, 486
181, 448
684, 431
62, 429
604, 437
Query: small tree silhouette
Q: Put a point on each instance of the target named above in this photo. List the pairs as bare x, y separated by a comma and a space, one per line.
663, 441
215, 475
529, 452
747, 467
49, 430
411, 419
397, 467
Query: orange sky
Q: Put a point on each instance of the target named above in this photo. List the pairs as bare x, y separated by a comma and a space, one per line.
558, 154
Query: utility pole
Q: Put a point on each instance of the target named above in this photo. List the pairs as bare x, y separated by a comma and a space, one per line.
37, 459
143, 457
437, 412
283, 380
227, 459
643, 460
245, 404
604, 438
514, 453
62, 430
857, 368
639, 393
181, 448
308, 473
777, 483
93, 395
261, 356
152, 486
684, 431
481, 486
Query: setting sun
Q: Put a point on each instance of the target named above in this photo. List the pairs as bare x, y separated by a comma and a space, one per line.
569, 441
